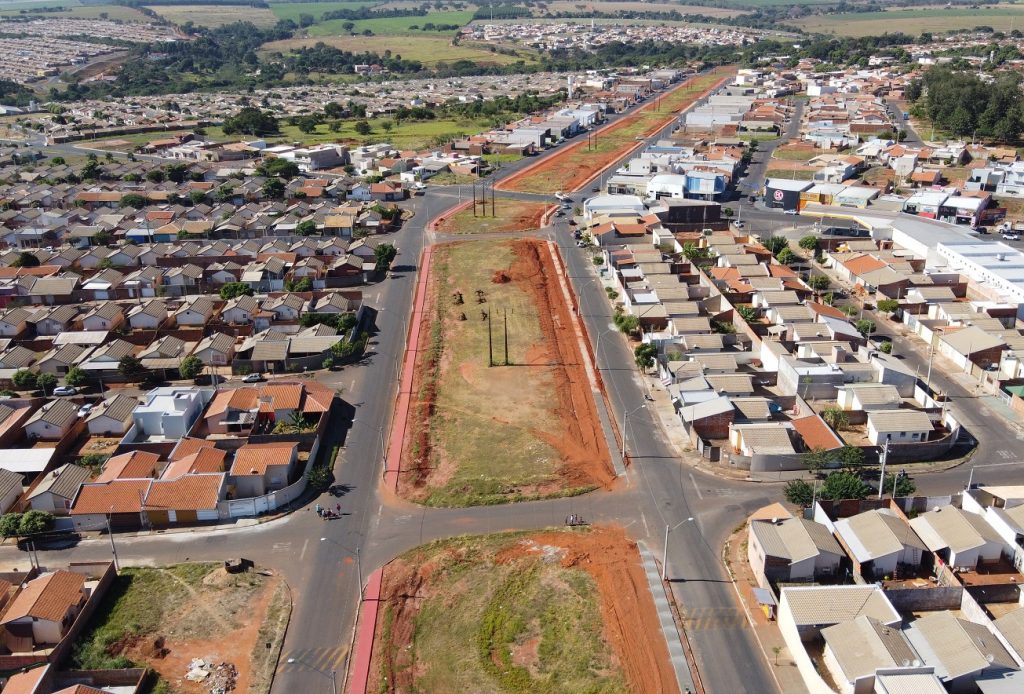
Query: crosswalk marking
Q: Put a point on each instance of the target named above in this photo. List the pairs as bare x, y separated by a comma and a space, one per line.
323, 659
708, 618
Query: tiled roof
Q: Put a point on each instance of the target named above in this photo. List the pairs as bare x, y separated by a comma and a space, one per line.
118, 496
203, 460
48, 597
192, 492
188, 446
255, 458
132, 465
835, 604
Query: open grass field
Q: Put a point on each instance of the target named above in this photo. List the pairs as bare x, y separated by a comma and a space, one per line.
293, 10
914, 21
430, 48
795, 152
164, 617
76, 10
510, 215
394, 26
481, 434
215, 15
571, 168
631, 6
556, 611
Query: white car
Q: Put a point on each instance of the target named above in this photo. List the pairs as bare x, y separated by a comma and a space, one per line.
1011, 236
738, 225
65, 390
792, 212
85, 409
254, 378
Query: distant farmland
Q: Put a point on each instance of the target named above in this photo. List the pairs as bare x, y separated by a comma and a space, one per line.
914, 21
215, 15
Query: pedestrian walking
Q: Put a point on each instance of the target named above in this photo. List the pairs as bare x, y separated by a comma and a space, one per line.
338, 509
318, 509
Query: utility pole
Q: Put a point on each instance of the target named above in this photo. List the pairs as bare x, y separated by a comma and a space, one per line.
474, 198
113, 549
885, 455
359, 570
490, 342
493, 213
506, 335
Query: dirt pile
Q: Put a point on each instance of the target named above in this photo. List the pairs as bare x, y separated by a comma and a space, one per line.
501, 277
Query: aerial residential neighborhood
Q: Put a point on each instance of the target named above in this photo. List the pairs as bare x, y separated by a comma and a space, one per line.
619, 347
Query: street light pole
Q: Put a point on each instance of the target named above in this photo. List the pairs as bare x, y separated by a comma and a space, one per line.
881, 479
664, 549
625, 427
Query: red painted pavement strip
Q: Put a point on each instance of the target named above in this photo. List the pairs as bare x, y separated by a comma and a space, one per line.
367, 626
396, 440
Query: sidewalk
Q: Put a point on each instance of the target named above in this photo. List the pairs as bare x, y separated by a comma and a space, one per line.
673, 638
773, 646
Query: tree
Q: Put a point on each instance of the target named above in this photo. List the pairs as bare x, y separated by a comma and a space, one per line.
362, 127
26, 259
282, 168
644, 356
155, 176
809, 243
626, 322
886, 347
384, 254
131, 368
306, 227
774, 244
865, 327
76, 377
693, 252
888, 305
817, 459
303, 284
197, 197
844, 485
46, 383
818, 282
747, 313
799, 492
899, 485
251, 121
190, 367
786, 257
10, 524
176, 172
307, 125
851, 458
234, 289
23, 379
388, 126
835, 417
273, 188
133, 200
34, 522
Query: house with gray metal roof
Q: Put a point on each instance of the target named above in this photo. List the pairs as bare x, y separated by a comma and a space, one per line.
856, 650
58, 488
959, 650
791, 549
879, 542
806, 610
960, 538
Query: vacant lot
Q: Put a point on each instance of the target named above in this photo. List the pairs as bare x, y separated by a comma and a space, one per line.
481, 434
215, 15
392, 26
912, 21
162, 618
428, 48
556, 611
510, 215
575, 164
795, 152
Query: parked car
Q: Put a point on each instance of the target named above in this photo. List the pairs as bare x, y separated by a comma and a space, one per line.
65, 390
1011, 236
792, 212
85, 409
256, 377
738, 224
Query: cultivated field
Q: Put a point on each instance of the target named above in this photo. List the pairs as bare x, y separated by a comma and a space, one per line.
294, 10
162, 618
914, 21
481, 434
556, 611
394, 26
72, 8
571, 168
428, 48
215, 15
511, 215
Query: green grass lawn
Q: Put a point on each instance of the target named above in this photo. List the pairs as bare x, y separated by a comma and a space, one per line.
480, 611
794, 153
429, 48
791, 174
74, 9
912, 21
293, 10
393, 26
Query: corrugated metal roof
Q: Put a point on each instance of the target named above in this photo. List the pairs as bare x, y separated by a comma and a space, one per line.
817, 605
877, 533
865, 645
795, 539
955, 528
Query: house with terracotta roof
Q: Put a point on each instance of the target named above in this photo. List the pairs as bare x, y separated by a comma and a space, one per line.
42, 611
131, 465
188, 498
119, 501
260, 468
243, 410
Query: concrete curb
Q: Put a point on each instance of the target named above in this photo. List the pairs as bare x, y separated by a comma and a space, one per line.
399, 420
673, 637
455, 209
360, 677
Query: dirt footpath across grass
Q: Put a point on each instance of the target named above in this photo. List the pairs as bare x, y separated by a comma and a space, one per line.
509, 215
480, 434
163, 618
556, 611
576, 165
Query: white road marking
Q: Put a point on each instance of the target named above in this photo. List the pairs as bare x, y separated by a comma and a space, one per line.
305, 544
1005, 455
696, 488
647, 531
376, 299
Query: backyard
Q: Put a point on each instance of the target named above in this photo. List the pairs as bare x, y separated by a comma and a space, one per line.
576, 164
557, 611
163, 618
525, 427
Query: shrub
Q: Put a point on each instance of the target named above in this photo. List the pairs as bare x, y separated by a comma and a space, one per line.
34, 522
799, 492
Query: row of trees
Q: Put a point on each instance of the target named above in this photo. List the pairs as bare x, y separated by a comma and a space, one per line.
962, 104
